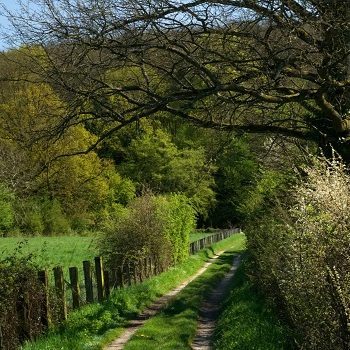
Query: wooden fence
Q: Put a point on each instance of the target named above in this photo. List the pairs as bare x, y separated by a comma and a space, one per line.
97, 282
209, 240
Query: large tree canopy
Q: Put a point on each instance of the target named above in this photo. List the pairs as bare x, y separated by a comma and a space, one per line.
275, 66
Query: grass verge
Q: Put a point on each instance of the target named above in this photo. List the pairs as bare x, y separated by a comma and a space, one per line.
175, 326
247, 322
95, 325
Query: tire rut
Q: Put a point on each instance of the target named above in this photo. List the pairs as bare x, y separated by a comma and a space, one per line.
210, 310
159, 304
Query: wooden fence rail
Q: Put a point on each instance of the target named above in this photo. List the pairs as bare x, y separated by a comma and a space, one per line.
97, 282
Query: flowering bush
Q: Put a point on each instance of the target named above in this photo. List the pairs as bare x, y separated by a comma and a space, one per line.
302, 251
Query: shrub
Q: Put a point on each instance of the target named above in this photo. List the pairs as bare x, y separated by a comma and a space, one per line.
20, 302
178, 219
302, 255
152, 226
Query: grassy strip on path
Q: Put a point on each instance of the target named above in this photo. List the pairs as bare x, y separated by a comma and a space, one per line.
175, 326
96, 325
246, 322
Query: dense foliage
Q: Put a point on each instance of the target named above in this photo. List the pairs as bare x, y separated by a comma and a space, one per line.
301, 253
150, 226
50, 185
21, 296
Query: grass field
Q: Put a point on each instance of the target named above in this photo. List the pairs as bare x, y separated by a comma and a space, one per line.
62, 251
49, 252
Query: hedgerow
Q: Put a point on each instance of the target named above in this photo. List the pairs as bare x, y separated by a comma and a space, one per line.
152, 226
301, 254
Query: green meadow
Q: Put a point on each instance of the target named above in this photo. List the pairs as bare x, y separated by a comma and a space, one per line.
49, 252
62, 251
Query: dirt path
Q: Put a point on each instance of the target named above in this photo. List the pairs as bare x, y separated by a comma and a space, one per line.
134, 325
210, 309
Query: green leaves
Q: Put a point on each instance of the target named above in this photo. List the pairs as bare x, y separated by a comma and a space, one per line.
152, 226
295, 245
154, 161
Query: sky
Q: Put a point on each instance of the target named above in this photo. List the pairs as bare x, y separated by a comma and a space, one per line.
12, 5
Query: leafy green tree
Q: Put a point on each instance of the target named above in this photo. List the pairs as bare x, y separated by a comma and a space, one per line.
76, 189
154, 161
55, 220
274, 66
29, 215
237, 174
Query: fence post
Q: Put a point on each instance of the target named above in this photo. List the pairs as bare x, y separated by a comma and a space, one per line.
45, 314
60, 292
74, 281
99, 279
22, 314
1, 340
89, 291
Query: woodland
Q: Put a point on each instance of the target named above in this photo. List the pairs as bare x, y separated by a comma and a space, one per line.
236, 109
